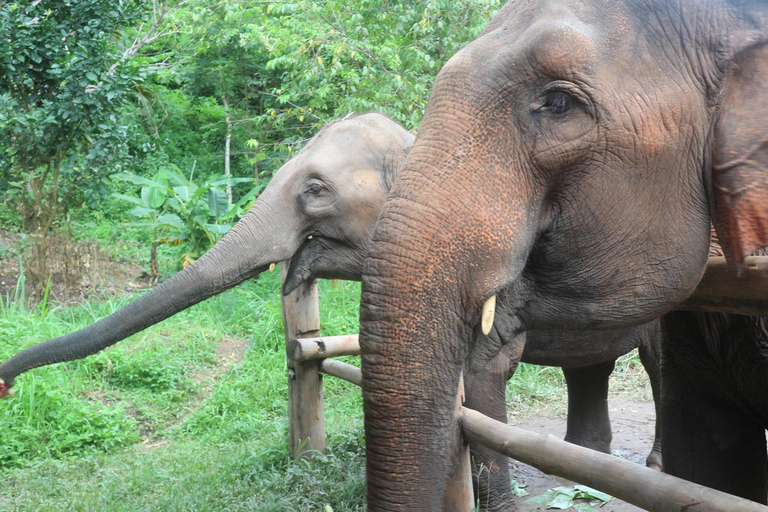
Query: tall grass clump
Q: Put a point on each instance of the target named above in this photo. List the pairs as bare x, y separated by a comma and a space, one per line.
50, 416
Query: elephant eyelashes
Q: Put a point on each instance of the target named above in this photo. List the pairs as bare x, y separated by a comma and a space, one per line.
557, 103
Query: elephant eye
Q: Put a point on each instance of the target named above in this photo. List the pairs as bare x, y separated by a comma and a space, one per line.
557, 103
315, 188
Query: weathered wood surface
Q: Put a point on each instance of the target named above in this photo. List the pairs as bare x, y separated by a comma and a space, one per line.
342, 370
633, 483
306, 423
305, 349
721, 289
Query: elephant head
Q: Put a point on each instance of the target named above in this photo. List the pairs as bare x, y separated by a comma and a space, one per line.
571, 160
317, 211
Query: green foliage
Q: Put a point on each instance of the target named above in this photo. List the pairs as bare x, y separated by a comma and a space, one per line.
176, 210
155, 371
45, 420
273, 74
566, 497
63, 77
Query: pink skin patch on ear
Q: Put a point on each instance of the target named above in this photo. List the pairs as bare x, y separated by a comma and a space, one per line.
5, 390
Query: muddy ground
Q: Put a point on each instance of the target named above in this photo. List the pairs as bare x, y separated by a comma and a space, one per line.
633, 429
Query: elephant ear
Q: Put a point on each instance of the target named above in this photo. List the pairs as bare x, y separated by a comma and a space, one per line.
740, 157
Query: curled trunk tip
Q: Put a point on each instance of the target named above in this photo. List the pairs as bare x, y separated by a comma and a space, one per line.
5, 389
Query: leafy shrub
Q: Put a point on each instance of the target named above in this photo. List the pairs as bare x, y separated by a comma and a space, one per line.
155, 371
178, 211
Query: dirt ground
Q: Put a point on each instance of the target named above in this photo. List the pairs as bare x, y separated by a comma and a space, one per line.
633, 427
79, 270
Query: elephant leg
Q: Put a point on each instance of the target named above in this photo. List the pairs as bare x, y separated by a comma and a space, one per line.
588, 421
705, 436
711, 443
486, 393
650, 355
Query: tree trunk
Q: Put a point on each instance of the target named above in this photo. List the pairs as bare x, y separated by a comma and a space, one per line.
227, 146
154, 268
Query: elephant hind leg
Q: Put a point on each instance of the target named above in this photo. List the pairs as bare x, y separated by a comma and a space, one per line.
713, 444
650, 355
588, 422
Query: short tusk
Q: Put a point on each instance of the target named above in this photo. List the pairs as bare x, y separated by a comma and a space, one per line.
271, 267
489, 311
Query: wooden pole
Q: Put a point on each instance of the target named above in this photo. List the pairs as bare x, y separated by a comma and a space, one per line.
343, 371
459, 494
721, 289
633, 483
305, 349
306, 421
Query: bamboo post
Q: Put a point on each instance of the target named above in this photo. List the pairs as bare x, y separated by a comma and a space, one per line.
306, 421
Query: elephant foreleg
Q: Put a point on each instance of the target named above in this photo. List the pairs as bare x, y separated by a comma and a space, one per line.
588, 421
486, 393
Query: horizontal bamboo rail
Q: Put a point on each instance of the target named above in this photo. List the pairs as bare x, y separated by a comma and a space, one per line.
306, 349
343, 371
630, 482
633, 483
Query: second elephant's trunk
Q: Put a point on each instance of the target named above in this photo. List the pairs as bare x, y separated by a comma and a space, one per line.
258, 240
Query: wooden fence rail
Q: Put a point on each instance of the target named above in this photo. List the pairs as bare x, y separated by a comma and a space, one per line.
628, 481
308, 355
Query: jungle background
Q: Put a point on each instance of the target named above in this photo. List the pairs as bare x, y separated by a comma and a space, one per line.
133, 135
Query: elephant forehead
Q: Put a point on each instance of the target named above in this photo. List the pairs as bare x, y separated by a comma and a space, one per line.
366, 179
554, 38
559, 47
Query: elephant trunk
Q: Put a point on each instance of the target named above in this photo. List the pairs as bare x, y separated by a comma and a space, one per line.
435, 259
248, 249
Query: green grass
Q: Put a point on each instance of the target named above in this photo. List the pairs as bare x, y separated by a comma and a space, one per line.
158, 423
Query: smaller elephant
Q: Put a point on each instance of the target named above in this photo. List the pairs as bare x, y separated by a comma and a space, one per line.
318, 213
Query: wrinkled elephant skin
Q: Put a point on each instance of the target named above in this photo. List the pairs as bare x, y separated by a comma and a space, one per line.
571, 159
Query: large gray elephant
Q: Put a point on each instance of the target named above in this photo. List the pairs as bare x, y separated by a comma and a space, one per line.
332, 191
570, 161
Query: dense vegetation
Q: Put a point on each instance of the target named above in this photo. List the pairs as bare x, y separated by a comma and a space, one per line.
98, 88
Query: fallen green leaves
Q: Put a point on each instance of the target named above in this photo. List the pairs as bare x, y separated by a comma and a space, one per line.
566, 497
